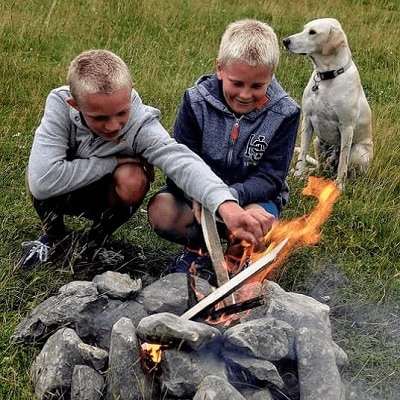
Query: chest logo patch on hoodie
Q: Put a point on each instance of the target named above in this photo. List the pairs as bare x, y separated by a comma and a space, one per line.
255, 149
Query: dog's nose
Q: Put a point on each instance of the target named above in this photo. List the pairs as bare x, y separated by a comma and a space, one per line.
286, 42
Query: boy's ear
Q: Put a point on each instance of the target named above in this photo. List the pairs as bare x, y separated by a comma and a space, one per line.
219, 69
72, 102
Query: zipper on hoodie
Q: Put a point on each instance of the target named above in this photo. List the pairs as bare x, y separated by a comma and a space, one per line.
233, 138
93, 139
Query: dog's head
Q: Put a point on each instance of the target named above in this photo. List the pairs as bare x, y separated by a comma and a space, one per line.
323, 36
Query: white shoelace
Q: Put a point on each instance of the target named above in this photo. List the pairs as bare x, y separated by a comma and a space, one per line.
39, 249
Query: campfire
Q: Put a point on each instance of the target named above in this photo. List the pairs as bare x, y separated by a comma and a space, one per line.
280, 241
112, 338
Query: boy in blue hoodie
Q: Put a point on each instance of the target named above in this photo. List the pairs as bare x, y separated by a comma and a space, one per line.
92, 155
244, 126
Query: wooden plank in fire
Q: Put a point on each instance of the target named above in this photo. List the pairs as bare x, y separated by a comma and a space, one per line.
213, 242
237, 281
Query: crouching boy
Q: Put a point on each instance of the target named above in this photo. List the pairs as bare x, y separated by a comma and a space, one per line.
92, 157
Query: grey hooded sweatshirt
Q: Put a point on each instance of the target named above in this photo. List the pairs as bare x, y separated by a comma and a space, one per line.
66, 155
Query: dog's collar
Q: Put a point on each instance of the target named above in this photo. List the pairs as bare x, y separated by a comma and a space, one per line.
326, 75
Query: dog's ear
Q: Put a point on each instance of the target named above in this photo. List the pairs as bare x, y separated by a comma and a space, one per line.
336, 40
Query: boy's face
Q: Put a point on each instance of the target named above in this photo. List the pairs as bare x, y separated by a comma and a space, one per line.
243, 86
105, 114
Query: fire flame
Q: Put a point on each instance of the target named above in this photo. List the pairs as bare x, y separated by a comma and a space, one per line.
154, 351
151, 355
303, 230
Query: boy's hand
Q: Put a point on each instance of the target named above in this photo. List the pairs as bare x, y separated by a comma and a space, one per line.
250, 225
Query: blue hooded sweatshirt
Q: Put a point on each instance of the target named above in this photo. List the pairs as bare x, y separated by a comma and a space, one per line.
252, 152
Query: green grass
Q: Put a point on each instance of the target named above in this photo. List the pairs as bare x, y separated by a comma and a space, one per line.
167, 46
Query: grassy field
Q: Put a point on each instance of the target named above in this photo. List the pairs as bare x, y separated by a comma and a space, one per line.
168, 45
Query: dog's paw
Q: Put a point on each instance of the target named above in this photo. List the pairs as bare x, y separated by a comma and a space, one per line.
340, 184
298, 174
300, 169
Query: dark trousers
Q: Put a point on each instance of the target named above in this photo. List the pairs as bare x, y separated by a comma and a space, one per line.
90, 202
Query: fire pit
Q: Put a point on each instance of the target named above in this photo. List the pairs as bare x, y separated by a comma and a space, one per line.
96, 337
91, 334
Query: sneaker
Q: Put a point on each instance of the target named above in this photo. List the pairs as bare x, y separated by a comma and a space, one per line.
107, 258
36, 253
92, 252
197, 264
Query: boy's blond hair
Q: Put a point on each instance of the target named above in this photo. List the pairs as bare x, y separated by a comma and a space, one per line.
97, 71
250, 41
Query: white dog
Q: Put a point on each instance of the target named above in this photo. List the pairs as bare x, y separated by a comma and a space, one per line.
334, 105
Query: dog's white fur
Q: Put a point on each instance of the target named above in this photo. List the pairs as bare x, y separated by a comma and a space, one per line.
337, 111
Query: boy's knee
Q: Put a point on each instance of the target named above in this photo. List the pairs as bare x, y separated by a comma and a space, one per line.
164, 213
158, 212
131, 183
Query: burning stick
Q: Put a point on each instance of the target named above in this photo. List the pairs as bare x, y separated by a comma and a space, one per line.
238, 280
213, 243
192, 298
234, 308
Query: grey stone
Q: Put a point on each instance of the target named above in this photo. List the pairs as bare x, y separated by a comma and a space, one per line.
293, 308
52, 369
94, 356
170, 294
75, 304
86, 384
117, 285
342, 360
126, 379
100, 326
291, 330
183, 371
266, 338
256, 394
78, 289
251, 371
166, 328
319, 376
298, 311
216, 388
